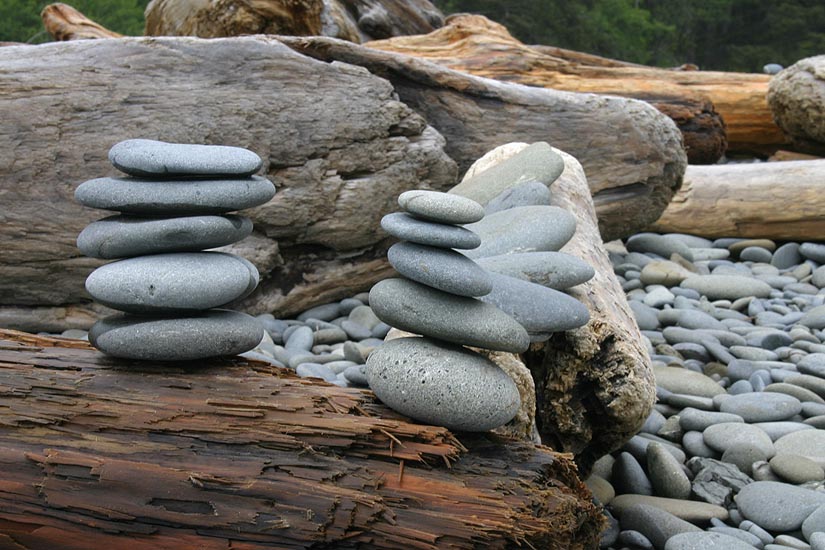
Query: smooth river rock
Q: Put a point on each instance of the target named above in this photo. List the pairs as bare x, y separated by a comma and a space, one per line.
530, 193
124, 236
196, 336
158, 159
423, 310
727, 287
441, 384
405, 227
779, 507
174, 197
174, 282
440, 207
555, 270
523, 229
440, 268
680, 380
706, 541
762, 407
807, 443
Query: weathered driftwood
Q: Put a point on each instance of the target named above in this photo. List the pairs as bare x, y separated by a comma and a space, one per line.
775, 200
63, 22
479, 46
101, 453
632, 154
353, 20
594, 385
336, 142
797, 98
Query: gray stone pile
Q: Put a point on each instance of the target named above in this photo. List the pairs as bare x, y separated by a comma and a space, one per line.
173, 205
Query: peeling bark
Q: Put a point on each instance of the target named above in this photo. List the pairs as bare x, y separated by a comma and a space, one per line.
97, 452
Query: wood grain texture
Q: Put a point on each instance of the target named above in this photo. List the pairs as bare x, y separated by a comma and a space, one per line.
772, 200
478, 46
63, 22
796, 96
101, 453
334, 139
632, 154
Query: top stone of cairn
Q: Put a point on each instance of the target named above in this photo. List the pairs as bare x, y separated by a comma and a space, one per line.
157, 159
440, 207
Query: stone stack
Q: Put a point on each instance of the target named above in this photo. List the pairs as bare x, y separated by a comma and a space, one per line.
172, 207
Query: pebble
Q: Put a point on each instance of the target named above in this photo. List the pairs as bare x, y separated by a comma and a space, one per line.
687, 510
777, 507
150, 158
551, 269
530, 193
601, 489
697, 420
440, 207
636, 540
183, 197
654, 523
776, 430
301, 338
661, 245
799, 392
814, 523
441, 384
716, 482
407, 228
786, 256
706, 541
315, 370
522, 229
796, 469
356, 375
420, 309
664, 272
325, 312
756, 254
762, 407
440, 268
689, 318
684, 381
814, 318
727, 287
817, 541
813, 251
694, 444
721, 437
807, 443
666, 474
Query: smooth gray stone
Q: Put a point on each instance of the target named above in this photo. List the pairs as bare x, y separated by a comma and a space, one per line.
814, 318
440, 207
691, 241
174, 198
315, 370
681, 380
301, 338
529, 193
756, 254
810, 444
523, 229
814, 523
813, 251
740, 386
158, 159
440, 268
636, 540
776, 430
762, 407
778, 507
666, 474
699, 420
356, 375
348, 304
656, 524
681, 401
796, 469
661, 245
637, 446
783, 542
708, 540
540, 310
798, 391
381, 330
611, 534
551, 269
696, 352
629, 478
716, 482
176, 282
441, 384
658, 296
812, 409
339, 366
817, 541
123, 236
812, 383
721, 437
818, 278
537, 162
812, 364
694, 445
786, 256
646, 316
742, 369
364, 315
353, 352
639, 259
727, 287
654, 422
423, 310
196, 336
356, 331
753, 353
689, 318
324, 312
405, 227
748, 538
744, 454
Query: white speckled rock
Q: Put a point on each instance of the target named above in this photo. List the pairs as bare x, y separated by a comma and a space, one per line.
440, 268
150, 158
440, 207
523, 229
777, 506
405, 227
441, 384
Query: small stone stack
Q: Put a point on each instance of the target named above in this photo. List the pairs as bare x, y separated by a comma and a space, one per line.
172, 208
434, 379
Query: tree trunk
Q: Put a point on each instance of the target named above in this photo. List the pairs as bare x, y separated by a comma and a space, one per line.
63, 22
632, 154
476, 45
103, 453
773, 200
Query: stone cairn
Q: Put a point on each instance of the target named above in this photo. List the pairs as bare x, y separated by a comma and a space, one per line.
454, 301
171, 209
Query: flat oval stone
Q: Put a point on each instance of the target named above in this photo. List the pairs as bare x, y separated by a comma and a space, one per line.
762, 407
175, 282
721, 437
523, 229
540, 310
796, 469
441, 384
405, 227
555, 270
778, 507
174, 197
440, 207
681, 380
662, 245
727, 287
125, 236
440, 268
529, 193
423, 310
208, 334
705, 541
692, 419
807, 443
150, 158
688, 510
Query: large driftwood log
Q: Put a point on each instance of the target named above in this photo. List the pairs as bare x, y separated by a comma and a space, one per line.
632, 154
353, 20
479, 46
775, 200
101, 453
337, 143
594, 385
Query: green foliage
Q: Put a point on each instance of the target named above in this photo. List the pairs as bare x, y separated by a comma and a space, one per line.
735, 35
20, 19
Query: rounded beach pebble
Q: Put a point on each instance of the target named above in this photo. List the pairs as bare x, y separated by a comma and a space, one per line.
443, 385
406, 227
440, 207
150, 158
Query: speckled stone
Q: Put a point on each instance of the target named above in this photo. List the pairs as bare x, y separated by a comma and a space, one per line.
423, 310
555, 270
814, 523
727, 287
762, 407
123, 236
796, 469
407, 228
440, 268
688, 510
530, 193
196, 336
654, 523
441, 384
807, 443
666, 474
158, 159
523, 229
680, 380
692, 419
705, 541
778, 507
721, 437
173, 198
440, 207
176, 282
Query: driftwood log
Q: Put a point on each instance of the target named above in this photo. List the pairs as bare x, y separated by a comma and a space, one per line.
773, 200
479, 46
632, 154
101, 453
594, 385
